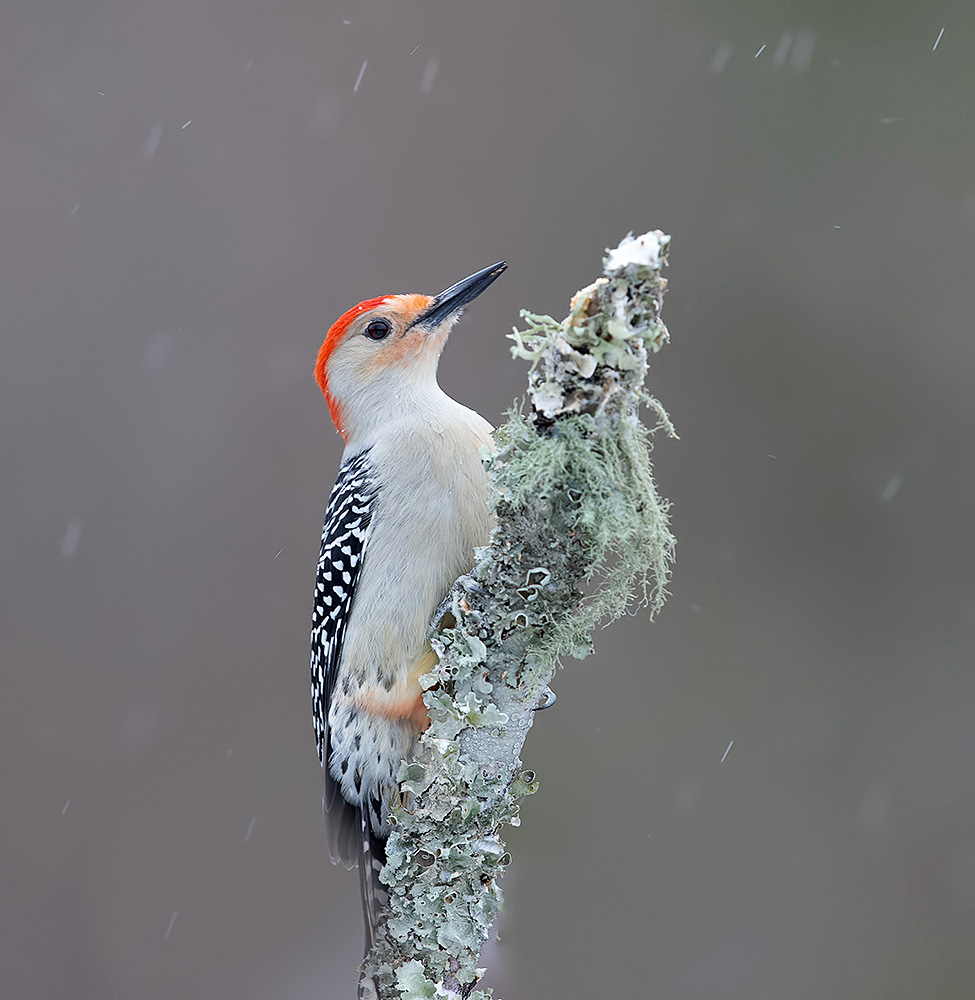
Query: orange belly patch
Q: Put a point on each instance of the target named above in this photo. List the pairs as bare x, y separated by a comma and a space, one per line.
404, 702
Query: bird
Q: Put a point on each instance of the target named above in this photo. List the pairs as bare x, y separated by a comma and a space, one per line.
407, 510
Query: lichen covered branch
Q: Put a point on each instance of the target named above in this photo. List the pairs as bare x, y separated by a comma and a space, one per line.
576, 507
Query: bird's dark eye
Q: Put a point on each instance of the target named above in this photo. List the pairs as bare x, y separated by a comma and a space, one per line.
378, 329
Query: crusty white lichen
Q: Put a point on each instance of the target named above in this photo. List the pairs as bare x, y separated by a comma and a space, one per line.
576, 506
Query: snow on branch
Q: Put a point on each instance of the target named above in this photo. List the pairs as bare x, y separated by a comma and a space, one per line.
576, 505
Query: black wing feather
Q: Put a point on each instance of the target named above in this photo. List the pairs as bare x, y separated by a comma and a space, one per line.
347, 519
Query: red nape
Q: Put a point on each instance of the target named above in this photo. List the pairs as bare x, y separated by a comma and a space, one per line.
335, 334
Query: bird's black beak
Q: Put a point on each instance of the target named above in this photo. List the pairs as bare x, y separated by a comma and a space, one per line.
452, 300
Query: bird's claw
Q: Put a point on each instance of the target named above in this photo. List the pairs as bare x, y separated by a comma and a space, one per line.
545, 700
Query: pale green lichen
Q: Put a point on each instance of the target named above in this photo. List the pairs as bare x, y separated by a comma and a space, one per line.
530, 343
576, 508
412, 982
605, 487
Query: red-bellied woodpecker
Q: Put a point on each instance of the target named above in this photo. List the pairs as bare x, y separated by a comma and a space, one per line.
403, 519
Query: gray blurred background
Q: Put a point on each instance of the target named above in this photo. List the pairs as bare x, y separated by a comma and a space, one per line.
192, 190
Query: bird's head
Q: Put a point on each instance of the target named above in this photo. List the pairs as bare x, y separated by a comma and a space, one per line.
383, 352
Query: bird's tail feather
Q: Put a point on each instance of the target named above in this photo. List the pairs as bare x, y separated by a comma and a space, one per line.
342, 824
353, 841
371, 858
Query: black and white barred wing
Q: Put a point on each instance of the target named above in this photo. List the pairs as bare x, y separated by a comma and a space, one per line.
344, 535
